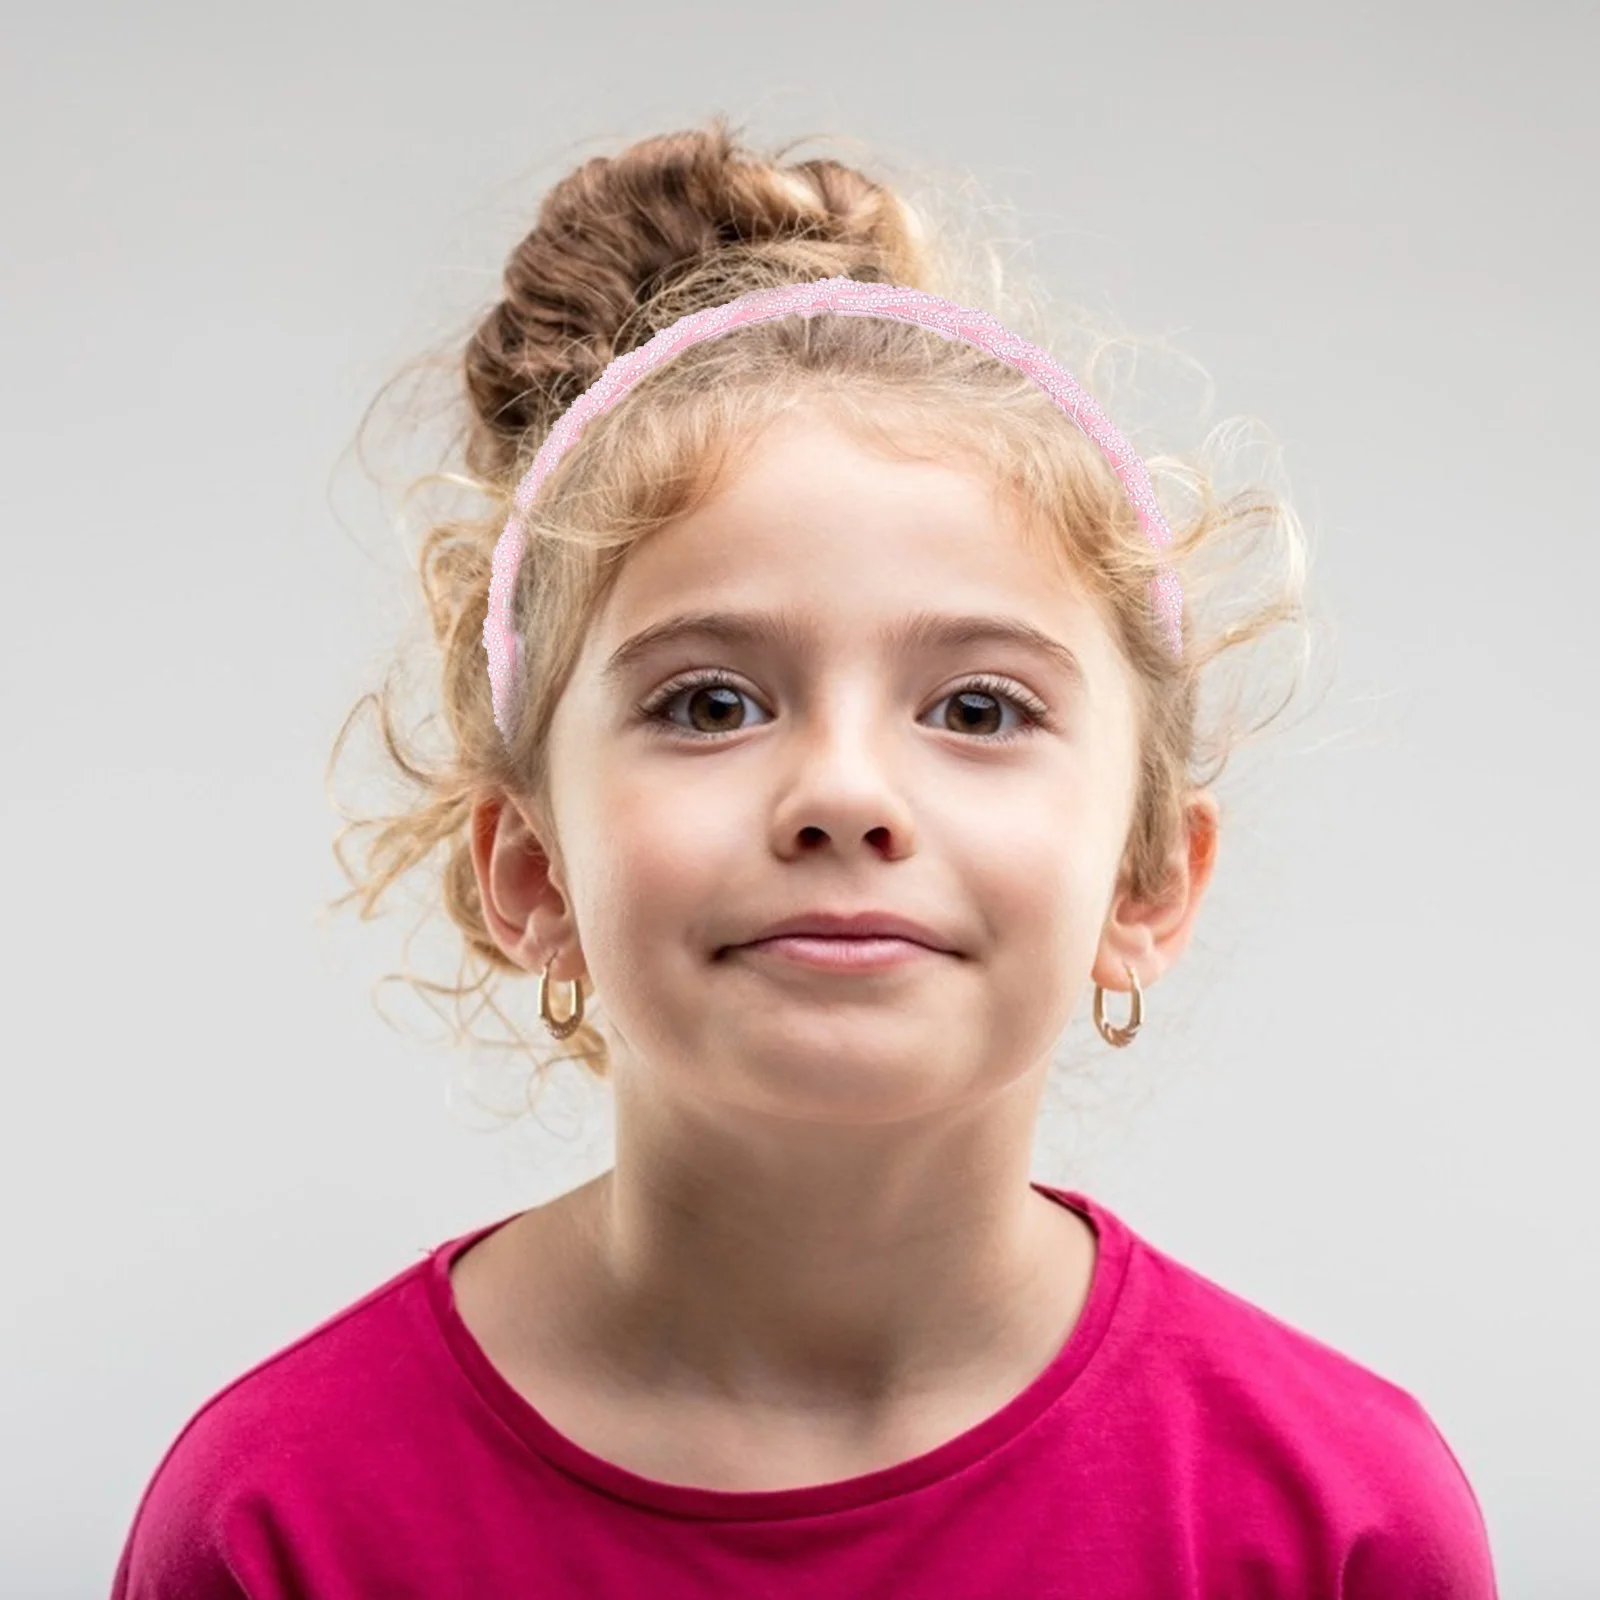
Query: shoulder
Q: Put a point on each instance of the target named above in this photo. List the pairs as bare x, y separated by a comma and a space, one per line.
283, 1430
1356, 1452
1260, 1365
316, 1385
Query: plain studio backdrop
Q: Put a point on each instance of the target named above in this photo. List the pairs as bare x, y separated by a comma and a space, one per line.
1366, 1097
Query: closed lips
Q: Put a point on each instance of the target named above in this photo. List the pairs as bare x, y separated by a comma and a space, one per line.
855, 925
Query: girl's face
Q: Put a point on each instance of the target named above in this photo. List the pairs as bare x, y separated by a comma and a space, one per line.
840, 766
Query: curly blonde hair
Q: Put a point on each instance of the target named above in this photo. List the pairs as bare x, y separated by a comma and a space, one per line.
624, 246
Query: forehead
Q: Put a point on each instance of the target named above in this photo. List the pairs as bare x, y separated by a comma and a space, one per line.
842, 530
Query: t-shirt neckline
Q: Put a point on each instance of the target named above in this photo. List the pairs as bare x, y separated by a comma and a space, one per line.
683, 1500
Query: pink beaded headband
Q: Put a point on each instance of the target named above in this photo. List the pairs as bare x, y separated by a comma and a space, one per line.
847, 297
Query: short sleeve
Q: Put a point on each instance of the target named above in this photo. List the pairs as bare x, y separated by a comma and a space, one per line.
1433, 1543
171, 1554
177, 1548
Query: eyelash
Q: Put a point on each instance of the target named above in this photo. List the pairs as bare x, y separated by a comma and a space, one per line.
1035, 714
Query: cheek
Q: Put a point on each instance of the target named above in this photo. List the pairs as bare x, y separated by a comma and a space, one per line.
659, 851
1028, 841
1037, 870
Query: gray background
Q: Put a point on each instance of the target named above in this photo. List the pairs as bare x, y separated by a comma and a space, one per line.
1365, 1100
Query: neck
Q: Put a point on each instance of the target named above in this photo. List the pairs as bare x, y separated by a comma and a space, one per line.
845, 1298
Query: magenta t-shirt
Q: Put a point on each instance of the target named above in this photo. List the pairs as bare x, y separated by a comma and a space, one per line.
1182, 1445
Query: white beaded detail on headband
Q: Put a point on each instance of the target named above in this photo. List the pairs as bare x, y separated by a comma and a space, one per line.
847, 297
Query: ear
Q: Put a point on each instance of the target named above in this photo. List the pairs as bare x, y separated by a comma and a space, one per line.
522, 887
1149, 936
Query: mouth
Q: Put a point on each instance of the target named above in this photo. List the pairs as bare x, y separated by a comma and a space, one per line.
837, 953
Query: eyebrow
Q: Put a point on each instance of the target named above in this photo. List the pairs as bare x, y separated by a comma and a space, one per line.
921, 630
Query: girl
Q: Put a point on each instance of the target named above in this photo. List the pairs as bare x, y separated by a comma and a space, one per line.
835, 740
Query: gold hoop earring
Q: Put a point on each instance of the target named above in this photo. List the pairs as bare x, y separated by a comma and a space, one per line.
1120, 1036
560, 1027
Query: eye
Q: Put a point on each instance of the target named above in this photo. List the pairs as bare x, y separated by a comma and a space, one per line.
1034, 713
722, 697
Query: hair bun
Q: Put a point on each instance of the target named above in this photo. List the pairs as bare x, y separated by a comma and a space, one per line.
625, 245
